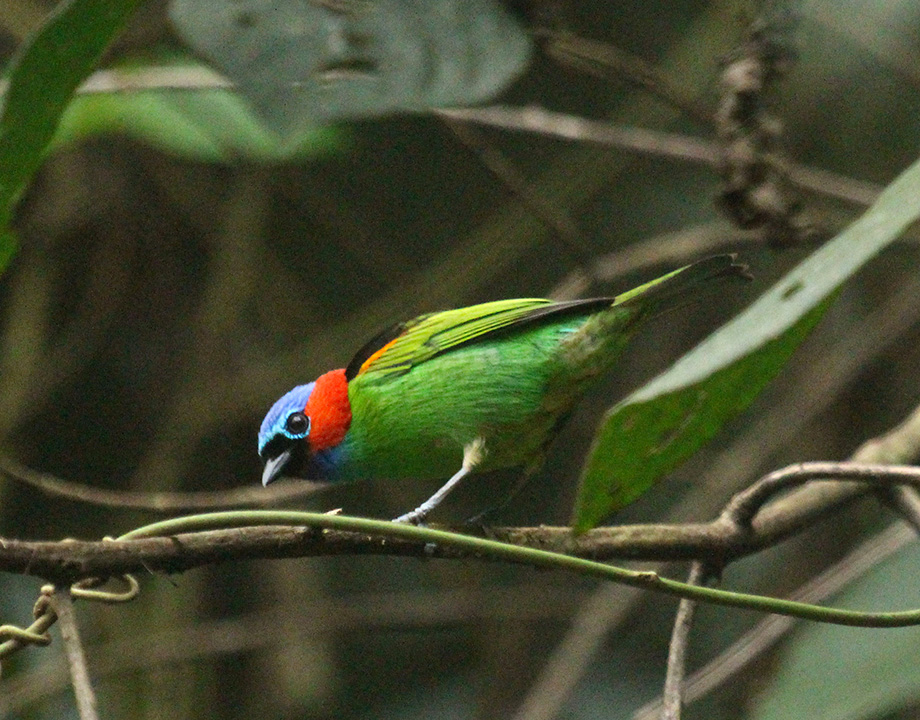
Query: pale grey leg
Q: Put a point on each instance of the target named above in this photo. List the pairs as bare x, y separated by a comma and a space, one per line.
472, 456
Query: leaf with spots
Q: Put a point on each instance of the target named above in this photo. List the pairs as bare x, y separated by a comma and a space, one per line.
657, 427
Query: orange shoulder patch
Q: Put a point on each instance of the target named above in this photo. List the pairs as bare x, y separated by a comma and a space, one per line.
367, 363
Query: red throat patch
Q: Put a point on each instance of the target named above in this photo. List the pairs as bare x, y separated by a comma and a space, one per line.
329, 410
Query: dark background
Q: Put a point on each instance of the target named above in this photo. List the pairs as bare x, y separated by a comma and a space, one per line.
159, 305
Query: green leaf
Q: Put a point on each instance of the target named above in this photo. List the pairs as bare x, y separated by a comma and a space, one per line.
211, 125
309, 63
835, 673
650, 432
43, 75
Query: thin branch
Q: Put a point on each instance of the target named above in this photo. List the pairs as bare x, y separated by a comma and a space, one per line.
169, 77
900, 444
158, 501
182, 532
745, 505
533, 118
73, 648
608, 61
716, 541
653, 142
677, 650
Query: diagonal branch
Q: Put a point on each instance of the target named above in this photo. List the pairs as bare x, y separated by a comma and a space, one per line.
76, 658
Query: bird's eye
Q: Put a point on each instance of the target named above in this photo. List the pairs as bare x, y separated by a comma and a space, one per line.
297, 424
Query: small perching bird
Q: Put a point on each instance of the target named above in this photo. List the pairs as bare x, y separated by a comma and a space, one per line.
472, 389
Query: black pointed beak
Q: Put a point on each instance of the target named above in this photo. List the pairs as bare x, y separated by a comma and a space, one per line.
275, 466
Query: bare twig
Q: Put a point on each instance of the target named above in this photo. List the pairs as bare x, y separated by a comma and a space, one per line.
900, 444
196, 77
731, 535
677, 650
745, 505
158, 501
653, 142
73, 648
609, 605
531, 118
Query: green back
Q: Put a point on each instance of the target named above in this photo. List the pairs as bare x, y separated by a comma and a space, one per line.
398, 349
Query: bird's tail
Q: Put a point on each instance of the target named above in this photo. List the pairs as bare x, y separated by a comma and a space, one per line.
593, 349
683, 285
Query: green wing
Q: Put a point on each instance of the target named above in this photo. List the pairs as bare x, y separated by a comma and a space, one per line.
398, 349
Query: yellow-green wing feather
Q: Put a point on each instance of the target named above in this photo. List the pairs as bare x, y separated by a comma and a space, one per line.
398, 349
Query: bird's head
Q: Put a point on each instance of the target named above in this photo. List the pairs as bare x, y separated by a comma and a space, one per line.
311, 419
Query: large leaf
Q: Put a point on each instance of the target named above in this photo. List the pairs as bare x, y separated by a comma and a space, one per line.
835, 673
308, 63
41, 79
654, 429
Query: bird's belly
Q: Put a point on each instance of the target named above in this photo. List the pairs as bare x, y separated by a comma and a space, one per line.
417, 425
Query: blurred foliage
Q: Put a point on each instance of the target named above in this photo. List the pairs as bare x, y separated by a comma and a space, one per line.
40, 81
208, 125
8, 247
875, 677
307, 63
160, 302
